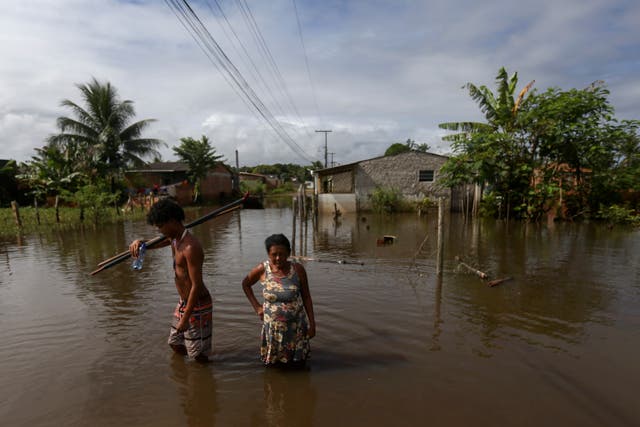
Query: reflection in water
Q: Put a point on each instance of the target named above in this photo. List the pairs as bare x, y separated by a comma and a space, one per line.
555, 345
196, 389
289, 399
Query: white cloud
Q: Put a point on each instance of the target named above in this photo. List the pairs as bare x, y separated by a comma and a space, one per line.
382, 71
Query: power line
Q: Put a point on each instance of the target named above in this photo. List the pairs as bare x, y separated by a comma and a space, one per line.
263, 48
306, 59
325, 145
251, 65
212, 50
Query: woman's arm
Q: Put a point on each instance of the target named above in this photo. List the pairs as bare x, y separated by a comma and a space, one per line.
247, 283
306, 298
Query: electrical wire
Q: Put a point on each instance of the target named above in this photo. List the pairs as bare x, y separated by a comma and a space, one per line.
306, 60
214, 52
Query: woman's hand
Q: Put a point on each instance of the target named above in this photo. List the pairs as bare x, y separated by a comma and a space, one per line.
311, 332
260, 312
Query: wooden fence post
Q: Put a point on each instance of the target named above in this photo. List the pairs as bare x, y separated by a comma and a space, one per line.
35, 204
57, 209
16, 213
293, 233
440, 250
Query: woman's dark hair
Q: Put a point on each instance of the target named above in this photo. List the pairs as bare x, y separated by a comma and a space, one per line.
163, 211
277, 240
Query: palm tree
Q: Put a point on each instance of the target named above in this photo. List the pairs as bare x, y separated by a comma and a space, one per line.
500, 110
200, 156
103, 131
486, 146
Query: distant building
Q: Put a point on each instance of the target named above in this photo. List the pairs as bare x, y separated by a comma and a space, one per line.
349, 187
171, 178
270, 181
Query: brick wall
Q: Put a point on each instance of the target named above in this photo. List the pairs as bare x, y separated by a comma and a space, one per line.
400, 172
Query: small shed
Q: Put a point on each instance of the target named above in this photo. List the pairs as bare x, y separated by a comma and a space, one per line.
349, 187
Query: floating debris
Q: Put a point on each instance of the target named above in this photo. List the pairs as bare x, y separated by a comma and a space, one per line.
386, 240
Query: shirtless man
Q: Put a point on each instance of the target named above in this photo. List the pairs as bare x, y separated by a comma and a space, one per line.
191, 326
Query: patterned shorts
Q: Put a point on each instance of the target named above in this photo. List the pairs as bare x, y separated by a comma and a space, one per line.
197, 338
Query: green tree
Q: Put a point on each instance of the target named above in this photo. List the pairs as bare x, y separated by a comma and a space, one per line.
200, 156
8, 181
52, 171
102, 132
491, 150
410, 145
534, 151
500, 109
577, 128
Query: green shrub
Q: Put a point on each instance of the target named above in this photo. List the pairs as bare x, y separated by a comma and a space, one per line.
285, 188
255, 188
386, 200
616, 214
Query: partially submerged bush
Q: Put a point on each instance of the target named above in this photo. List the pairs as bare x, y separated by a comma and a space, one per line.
386, 200
616, 214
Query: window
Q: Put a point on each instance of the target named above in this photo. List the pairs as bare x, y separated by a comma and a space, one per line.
426, 176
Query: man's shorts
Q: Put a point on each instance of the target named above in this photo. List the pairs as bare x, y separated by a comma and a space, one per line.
197, 338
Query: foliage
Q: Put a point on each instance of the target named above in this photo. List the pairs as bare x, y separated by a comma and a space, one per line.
255, 188
94, 199
287, 187
8, 182
101, 140
426, 203
500, 110
286, 172
200, 156
536, 150
69, 219
409, 145
616, 214
52, 170
386, 200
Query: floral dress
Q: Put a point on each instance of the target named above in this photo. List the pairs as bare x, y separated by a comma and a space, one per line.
284, 331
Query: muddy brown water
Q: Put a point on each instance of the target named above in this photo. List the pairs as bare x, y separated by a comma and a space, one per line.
559, 344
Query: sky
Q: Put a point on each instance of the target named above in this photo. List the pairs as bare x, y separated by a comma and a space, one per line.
373, 72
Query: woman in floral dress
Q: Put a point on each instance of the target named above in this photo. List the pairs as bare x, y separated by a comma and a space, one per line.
287, 310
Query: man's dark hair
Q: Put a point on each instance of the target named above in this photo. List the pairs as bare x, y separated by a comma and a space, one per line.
277, 240
163, 211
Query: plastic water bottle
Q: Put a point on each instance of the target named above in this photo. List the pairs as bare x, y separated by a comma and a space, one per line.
137, 263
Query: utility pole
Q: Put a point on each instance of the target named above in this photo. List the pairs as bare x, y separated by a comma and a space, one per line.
332, 162
325, 145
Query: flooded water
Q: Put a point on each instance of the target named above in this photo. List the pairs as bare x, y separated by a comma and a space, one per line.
558, 344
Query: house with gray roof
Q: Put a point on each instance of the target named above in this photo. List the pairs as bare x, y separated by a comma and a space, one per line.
348, 188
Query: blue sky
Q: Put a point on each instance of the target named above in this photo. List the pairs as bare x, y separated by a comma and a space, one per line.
378, 72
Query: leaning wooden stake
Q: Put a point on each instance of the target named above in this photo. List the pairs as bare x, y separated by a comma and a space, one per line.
496, 282
484, 276
338, 261
479, 273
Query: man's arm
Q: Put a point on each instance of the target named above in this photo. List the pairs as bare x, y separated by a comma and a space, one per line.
134, 247
194, 256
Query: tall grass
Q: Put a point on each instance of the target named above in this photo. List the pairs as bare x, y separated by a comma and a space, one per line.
69, 219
